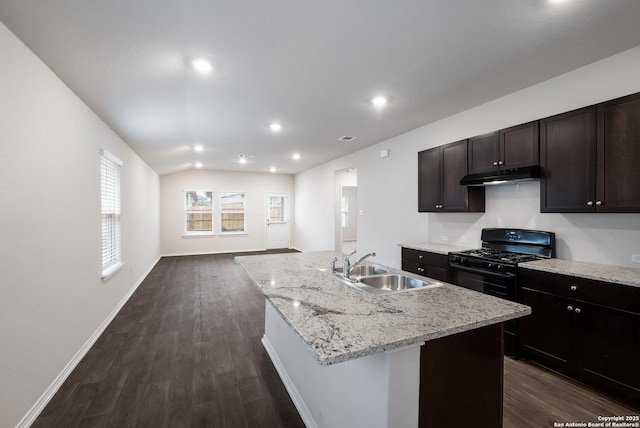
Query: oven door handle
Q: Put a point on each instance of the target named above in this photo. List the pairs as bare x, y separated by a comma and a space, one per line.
481, 271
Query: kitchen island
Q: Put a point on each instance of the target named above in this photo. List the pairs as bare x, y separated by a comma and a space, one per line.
349, 358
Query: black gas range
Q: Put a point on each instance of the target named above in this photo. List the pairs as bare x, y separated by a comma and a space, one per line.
493, 269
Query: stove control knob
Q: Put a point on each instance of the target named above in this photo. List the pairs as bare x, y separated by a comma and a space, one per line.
460, 260
500, 267
490, 266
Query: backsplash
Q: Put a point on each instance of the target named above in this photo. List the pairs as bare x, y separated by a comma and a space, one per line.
598, 238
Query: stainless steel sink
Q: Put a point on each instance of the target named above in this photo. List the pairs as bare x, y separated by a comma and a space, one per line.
364, 270
378, 280
393, 282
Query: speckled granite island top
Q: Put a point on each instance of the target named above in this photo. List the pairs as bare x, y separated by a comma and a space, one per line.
338, 323
600, 272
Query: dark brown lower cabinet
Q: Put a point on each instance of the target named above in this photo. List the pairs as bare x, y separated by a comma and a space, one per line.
586, 329
461, 380
426, 263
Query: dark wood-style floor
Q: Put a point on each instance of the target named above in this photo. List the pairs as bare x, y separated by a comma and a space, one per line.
185, 351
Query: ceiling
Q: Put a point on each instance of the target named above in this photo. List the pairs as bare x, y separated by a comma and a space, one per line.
313, 66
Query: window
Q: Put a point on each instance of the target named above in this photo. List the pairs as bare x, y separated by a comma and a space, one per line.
277, 209
110, 169
232, 212
198, 212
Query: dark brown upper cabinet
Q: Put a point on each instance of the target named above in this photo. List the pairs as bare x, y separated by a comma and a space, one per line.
484, 153
519, 145
590, 157
568, 161
508, 148
618, 155
439, 172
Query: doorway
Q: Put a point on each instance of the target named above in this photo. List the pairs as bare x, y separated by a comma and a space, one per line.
277, 220
346, 210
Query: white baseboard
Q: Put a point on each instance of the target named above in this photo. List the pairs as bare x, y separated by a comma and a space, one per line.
48, 394
304, 412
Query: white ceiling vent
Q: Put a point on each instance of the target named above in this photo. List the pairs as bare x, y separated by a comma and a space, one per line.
347, 138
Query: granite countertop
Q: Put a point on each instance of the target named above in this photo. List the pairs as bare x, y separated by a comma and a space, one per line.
600, 272
338, 323
434, 247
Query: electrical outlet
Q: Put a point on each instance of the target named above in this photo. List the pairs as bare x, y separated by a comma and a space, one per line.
464, 240
635, 258
444, 238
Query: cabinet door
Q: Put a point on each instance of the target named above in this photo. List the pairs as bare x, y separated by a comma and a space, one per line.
519, 145
484, 153
429, 180
454, 167
608, 350
568, 162
547, 333
456, 197
618, 155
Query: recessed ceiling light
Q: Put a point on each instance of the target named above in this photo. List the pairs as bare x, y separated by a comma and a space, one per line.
198, 148
296, 156
198, 165
202, 65
273, 169
243, 159
275, 127
379, 101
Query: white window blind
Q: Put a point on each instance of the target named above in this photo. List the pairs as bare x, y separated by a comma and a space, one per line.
110, 170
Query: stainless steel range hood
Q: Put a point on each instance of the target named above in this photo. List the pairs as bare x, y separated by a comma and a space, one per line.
513, 175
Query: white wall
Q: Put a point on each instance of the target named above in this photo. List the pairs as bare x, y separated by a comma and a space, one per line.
52, 299
256, 186
387, 187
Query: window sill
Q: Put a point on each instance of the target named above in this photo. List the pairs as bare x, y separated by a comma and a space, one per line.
233, 233
198, 234
109, 272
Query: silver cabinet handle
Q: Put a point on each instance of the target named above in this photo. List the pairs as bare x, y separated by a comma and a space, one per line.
500, 163
574, 288
598, 203
590, 203
570, 308
420, 269
578, 310
420, 256
495, 163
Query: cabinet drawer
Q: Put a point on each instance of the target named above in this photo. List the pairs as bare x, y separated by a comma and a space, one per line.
434, 272
424, 257
607, 294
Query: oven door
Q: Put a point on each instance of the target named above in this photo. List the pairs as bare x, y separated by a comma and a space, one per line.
498, 284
